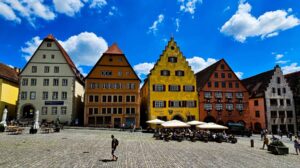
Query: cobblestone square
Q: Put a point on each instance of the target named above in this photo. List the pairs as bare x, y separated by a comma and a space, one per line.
91, 148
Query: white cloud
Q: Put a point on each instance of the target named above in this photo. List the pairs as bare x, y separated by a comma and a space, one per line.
226, 9
243, 25
189, 6
8, 13
177, 23
239, 74
143, 69
282, 62
199, 63
113, 10
290, 10
68, 7
278, 56
293, 67
98, 3
30, 47
84, 49
153, 29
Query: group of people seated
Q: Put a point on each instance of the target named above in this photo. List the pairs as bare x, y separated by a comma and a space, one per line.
180, 134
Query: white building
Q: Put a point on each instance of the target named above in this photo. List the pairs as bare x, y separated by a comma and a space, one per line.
51, 83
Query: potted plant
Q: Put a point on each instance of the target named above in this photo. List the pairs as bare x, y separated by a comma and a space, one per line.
2, 128
277, 147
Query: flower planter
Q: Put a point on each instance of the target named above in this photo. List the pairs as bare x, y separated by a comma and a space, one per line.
279, 150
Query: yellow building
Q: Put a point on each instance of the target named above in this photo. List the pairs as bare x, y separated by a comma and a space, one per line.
169, 91
9, 90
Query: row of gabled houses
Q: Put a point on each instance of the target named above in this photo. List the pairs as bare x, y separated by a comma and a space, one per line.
110, 95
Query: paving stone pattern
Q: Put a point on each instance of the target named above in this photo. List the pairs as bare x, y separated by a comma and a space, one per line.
92, 148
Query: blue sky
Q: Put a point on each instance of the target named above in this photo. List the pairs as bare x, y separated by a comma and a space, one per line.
253, 36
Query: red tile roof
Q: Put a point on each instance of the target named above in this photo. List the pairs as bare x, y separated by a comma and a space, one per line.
8, 73
113, 49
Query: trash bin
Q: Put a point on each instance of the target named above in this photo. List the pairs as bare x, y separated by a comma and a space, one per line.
252, 143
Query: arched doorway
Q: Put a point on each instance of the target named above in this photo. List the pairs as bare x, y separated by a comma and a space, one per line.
257, 126
209, 119
178, 117
28, 111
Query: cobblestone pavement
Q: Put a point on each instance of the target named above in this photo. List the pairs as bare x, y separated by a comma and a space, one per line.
92, 148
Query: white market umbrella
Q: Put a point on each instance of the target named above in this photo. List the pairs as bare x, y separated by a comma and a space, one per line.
155, 121
36, 120
195, 122
174, 124
212, 126
4, 116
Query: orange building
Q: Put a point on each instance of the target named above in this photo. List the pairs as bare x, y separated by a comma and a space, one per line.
222, 96
112, 92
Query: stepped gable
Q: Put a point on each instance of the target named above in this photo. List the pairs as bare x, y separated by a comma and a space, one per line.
202, 77
258, 84
9, 73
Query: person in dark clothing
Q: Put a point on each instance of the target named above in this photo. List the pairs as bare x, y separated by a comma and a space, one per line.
114, 144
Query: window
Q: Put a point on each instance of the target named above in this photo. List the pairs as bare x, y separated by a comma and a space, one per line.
288, 102
120, 60
108, 110
229, 107
115, 110
25, 82
90, 111
216, 75
115, 98
174, 88
175, 103
46, 82
281, 114
104, 99
228, 95
96, 98
103, 110
165, 73
190, 103
56, 69
289, 114
273, 114
49, 44
208, 107
172, 59
131, 85
127, 110
95, 110
110, 59
52, 56
159, 104
229, 75
237, 85
23, 95
207, 95
281, 102
65, 82
91, 98
120, 111
273, 90
44, 110
132, 98
216, 84
284, 90
278, 80
120, 73
45, 95
54, 95
55, 82
179, 73
279, 91
54, 110
120, 98
109, 99
239, 95
33, 82
223, 84
239, 107
63, 110
222, 66
218, 94
159, 88
257, 115
188, 88
255, 102
219, 107
209, 84
230, 84
106, 73
64, 95
33, 69
46, 69
222, 75
127, 73
93, 85
44, 56
273, 102
132, 110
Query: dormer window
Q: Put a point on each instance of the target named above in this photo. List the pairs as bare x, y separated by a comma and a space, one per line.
172, 59
179, 73
165, 73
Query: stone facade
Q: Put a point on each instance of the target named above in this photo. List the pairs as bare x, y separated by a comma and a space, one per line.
51, 84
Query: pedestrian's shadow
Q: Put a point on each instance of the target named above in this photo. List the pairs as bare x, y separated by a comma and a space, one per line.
106, 160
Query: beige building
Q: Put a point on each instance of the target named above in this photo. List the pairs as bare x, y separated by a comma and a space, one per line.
51, 83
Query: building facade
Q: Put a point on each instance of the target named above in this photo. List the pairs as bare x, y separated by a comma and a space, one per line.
51, 83
294, 82
9, 90
112, 92
222, 97
275, 99
169, 90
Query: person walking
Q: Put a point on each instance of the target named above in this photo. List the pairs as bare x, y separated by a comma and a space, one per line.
114, 144
296, 146
266, 141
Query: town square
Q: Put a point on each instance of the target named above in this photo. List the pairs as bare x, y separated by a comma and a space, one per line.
147, 83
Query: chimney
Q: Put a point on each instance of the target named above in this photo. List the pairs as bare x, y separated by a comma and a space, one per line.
17, 69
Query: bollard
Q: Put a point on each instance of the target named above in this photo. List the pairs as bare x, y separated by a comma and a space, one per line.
252, 143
